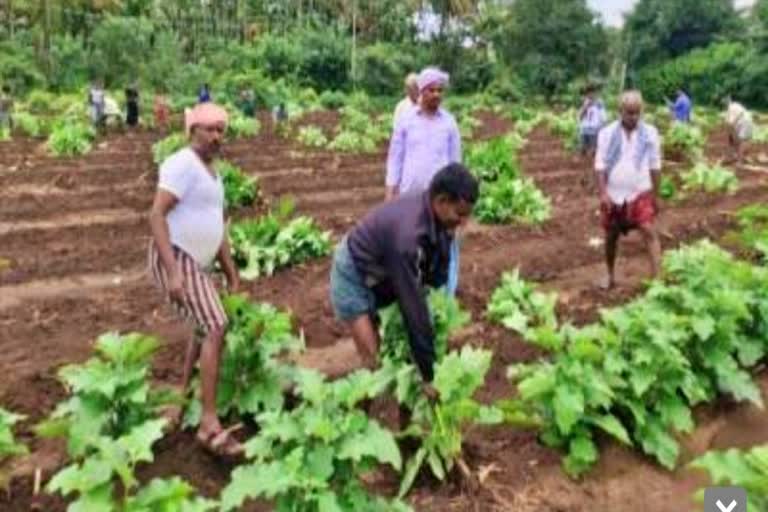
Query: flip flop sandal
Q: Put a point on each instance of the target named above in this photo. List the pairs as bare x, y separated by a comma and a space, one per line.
221, 444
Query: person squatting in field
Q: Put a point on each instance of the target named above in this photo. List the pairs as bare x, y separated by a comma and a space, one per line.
628, 165
740, 128
425, 139
188, 231
397, 249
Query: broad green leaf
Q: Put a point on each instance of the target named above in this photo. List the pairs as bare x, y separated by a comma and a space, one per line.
610, 424
568, 403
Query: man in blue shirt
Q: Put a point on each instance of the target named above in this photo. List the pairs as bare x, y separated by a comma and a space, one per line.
681, 109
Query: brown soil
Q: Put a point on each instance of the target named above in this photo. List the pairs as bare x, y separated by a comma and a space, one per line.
74, 234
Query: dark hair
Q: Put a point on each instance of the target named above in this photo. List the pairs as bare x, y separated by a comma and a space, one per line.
456, 182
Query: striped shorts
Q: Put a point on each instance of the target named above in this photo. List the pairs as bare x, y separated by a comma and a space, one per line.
201, 304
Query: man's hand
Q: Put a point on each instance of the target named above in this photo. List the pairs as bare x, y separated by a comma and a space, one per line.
430, 392
233, 283
176, 284
390, 194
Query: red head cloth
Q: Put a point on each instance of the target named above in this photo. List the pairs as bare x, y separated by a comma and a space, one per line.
205, 114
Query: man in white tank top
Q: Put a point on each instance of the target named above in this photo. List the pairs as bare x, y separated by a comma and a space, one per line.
188, 232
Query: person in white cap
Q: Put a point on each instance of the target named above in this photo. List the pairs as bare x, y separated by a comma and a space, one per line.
425, 140
411, 98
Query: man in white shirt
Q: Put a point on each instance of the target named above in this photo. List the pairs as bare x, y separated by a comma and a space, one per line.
628, 165
411, 98
188, 231
740, 128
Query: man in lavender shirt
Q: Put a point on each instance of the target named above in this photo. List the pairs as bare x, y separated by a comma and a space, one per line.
425, 140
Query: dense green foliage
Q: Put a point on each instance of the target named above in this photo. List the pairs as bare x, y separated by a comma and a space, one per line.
312, 457
660, 29
638, 372
239, 189
505, 195
709, 178
167, 146
71, 139
251, 377
744, 468
9, 446
276, 240
111, 393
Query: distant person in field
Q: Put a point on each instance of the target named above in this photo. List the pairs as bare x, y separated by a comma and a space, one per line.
188, 237
132, 105
592, 117
393, 253
247, 103
204, 95
682, 107
411, 97
96, 102
161, 111
279, 113
6, 108
628, 165
740, 127
425, 139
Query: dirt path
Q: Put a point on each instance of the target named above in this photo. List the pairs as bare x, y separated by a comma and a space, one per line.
74, 234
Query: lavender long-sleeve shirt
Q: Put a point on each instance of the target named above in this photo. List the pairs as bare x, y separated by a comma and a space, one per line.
421, 145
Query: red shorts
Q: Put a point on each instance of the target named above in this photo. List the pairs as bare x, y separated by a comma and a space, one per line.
628, 216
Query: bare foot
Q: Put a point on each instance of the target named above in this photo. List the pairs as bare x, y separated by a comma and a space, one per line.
606, 283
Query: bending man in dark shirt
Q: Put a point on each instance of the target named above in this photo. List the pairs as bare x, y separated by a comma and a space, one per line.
397, 250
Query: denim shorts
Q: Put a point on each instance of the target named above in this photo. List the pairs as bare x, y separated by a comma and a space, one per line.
350, 297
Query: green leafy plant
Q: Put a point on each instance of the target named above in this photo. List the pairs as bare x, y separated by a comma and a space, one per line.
274, 241
28, 124
667, 188
352, 142
467, 126
240, 126
710, 178
312, 458
686, 140
438, 428
252, 377
71, 139
638, 372
92, 480
517, 305
447, 316
111, 393
745, 468
512, 200
312, 136
240, 190
753, 228
494, 159
565, 126
9, 446
167, 146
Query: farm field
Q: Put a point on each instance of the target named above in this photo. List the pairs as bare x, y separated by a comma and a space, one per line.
74, 234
